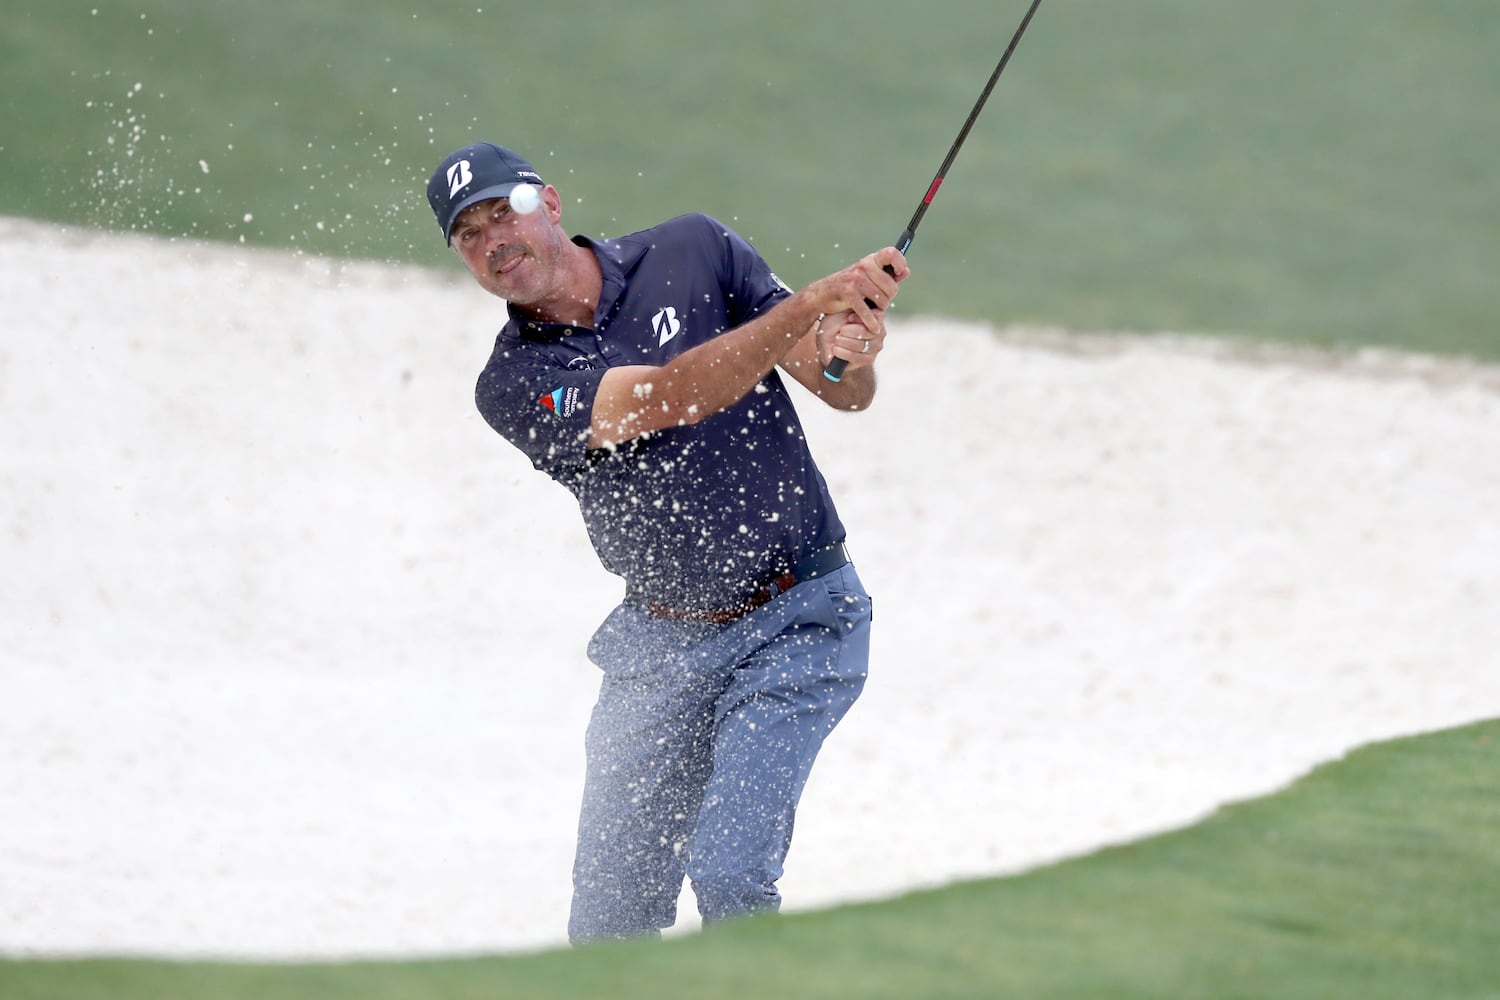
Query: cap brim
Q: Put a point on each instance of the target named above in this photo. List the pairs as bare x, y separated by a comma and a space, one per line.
484, 194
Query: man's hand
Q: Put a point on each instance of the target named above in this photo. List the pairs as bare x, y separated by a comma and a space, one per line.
864, 288
844, 336
840, 335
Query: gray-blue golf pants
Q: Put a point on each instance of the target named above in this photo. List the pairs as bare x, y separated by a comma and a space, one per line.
699, 748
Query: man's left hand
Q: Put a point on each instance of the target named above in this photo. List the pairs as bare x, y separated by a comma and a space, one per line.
844, 336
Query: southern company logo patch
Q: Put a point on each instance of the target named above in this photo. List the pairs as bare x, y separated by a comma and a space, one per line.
561, 401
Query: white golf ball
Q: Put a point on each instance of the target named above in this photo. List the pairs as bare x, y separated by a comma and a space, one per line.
525, 199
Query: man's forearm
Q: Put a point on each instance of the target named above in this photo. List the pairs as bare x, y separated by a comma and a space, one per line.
717, 374
854, 391
634, 400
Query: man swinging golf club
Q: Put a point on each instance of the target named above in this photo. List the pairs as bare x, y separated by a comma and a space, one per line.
641, 374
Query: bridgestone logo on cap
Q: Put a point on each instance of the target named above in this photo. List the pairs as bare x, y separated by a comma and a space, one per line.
459, 176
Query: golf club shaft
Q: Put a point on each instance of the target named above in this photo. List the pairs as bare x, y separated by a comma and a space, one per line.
836, 366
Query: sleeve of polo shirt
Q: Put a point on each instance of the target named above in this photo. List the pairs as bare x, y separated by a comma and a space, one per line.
540, 407
750, 283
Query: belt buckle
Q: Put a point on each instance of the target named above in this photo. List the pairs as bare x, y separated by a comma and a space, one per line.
780, 585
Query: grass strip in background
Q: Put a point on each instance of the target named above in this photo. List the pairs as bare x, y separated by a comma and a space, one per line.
1319, 173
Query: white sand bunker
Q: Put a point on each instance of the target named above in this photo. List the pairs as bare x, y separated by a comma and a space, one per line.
291, 644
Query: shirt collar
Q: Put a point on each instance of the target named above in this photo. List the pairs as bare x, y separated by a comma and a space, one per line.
617, 259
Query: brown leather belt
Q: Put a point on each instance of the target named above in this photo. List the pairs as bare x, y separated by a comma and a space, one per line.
809, 567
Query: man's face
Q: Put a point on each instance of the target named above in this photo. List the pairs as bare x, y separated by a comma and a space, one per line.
517, 257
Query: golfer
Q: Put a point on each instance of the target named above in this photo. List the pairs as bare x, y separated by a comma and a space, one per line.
641, 374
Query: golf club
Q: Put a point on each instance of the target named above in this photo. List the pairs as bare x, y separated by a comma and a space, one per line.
835, 369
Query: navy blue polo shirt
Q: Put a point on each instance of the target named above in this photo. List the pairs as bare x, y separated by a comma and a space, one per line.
691, 517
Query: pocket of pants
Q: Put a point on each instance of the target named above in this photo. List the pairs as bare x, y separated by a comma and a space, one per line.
850, 606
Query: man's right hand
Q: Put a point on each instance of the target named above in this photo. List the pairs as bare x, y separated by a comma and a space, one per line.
865, 281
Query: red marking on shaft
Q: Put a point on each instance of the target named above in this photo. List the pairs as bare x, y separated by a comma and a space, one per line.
936, 182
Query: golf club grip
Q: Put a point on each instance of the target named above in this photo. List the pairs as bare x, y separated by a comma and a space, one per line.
836, 366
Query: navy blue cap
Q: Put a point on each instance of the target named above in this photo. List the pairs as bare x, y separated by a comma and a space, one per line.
473, 174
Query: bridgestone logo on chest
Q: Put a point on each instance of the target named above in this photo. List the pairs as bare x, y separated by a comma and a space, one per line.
665, 324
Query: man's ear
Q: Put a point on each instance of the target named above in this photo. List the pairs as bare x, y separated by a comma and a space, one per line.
552, 202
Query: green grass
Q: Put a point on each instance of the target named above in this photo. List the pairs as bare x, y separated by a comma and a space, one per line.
1374, 877
1319, 173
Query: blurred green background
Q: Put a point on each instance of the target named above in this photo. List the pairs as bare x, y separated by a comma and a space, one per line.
1318, 173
